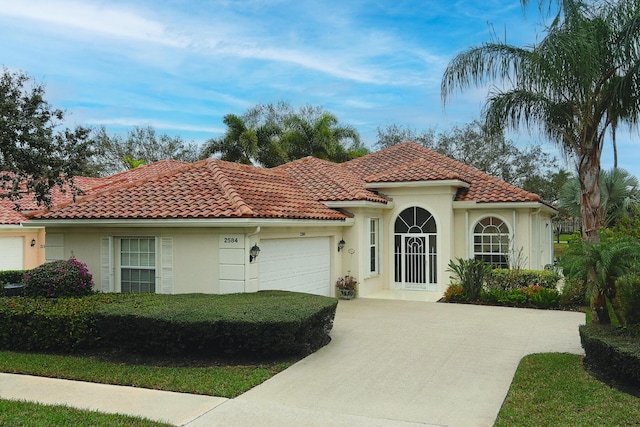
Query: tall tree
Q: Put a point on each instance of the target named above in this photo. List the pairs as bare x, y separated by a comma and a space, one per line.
320, 135
36, 152
573, 85
395, 134
142, 145
273, 134
582, 77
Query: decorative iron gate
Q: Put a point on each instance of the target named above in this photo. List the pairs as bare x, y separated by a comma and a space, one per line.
415, 250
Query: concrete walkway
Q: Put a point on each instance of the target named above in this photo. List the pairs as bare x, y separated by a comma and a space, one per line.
390, 363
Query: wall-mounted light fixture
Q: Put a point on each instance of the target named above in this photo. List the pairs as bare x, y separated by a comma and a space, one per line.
254, 252
33, 242
341, 244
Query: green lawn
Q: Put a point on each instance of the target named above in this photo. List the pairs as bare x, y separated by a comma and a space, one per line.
213, 379
27, 414
553, 389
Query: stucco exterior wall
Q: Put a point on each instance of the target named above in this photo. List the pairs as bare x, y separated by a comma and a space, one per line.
530, 234
195, 253
202, 260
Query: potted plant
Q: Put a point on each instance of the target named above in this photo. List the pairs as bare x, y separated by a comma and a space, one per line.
347, 287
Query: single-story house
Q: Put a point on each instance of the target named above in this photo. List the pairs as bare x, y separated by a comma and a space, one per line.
392, 219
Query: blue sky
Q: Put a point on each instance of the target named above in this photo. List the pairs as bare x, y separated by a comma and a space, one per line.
181, 65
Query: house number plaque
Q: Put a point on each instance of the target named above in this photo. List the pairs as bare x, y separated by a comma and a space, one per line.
233, 241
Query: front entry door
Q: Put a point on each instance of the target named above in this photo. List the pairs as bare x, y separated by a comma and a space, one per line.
415, 250
417, 258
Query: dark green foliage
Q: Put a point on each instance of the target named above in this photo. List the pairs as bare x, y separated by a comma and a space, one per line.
47, 324
531, 296
628, 295
262, 324
606, 260
513, 297
11, 276
62, 278
36, 153
470, 274
545, 298
502, 278
574, 292
274, 134
613, 350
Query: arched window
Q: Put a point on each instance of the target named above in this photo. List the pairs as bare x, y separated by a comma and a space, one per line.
491, 242
415, 249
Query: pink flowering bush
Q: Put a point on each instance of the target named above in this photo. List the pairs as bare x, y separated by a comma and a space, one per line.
62, 278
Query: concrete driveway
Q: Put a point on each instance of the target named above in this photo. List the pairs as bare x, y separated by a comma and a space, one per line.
402, 363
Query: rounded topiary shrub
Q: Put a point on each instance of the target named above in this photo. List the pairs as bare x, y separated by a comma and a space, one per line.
62, 278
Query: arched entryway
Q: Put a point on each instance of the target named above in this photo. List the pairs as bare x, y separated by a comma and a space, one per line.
415, 245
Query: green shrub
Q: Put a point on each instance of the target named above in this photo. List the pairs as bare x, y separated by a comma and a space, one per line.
613, 350
11, 276
264, 324
62, 278
40, 324
574, 292
628, 295
503, 278
470, 274
454, 293
545, 298
492, 296
513, 297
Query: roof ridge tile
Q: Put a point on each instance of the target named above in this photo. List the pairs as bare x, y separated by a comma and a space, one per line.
225, 185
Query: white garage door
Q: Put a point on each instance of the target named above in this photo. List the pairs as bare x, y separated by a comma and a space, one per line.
10, 253
299, 265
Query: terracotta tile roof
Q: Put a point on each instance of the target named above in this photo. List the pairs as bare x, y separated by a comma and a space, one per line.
409, 161
142, 172
327, 181
9, 214
420, 170
206, 189
216, 189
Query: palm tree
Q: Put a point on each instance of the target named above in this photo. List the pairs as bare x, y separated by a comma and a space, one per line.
607, 261
239, 143
580, 81
619, 192
320, 136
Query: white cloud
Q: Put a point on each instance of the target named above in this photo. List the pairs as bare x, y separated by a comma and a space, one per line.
158, 124
115, 21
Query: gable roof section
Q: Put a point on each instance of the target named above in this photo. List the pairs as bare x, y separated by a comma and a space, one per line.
205, 189
327, 181
409, 161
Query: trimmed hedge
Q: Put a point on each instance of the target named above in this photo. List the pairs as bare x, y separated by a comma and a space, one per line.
63, 324
613, 350
263, 324
502, 278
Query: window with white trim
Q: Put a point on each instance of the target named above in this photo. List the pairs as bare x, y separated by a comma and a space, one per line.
138, 264
374, 246
491, 242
